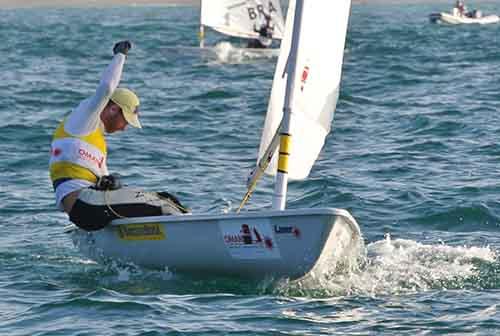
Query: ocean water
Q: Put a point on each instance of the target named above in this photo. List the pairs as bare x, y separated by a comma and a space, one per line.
414, 156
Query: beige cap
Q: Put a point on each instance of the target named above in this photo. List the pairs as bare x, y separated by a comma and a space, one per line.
129, 103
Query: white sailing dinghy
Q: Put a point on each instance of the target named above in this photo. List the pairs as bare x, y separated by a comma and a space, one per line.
240, 18
275, 243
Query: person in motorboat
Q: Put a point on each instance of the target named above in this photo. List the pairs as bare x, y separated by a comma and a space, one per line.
83, 187
460, 9
474, 14
265, 31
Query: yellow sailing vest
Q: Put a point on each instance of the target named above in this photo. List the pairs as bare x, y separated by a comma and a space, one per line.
77, 157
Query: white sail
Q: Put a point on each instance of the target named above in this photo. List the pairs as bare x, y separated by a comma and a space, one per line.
241, 18
316, 83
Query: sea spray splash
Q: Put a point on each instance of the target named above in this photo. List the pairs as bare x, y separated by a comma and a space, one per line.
400, 266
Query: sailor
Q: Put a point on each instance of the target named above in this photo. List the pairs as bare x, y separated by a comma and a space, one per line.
265, 34
83, 187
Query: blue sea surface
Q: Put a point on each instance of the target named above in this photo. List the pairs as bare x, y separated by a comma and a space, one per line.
413, 156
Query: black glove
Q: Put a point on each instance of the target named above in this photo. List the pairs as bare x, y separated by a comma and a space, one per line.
108, 182
122, 47
175, 200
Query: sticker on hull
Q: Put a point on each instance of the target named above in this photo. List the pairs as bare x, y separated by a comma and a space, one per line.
146, 231
252, 239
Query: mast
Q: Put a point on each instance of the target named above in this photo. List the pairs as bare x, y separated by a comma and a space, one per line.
201, 32
201, 36
281, 182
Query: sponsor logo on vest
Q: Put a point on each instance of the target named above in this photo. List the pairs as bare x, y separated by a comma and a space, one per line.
88, 156
56, 151
149, 231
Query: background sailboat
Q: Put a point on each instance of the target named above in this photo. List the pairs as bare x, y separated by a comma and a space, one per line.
240, 18
277, 243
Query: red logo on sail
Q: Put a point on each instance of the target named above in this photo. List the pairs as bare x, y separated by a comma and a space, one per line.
303, 77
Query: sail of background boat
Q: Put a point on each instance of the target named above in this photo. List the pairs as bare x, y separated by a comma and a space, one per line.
240, 18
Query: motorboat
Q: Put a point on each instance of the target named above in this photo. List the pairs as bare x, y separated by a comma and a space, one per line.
455, 17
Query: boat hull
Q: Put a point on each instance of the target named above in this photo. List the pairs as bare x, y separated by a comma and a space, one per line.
278, 244
454, 19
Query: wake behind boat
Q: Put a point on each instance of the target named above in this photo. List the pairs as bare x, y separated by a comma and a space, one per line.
460, 15
278, 243
228, 53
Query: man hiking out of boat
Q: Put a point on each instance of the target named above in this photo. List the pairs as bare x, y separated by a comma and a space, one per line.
83, 187
265, 31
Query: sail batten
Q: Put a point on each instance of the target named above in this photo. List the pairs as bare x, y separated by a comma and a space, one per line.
316, 82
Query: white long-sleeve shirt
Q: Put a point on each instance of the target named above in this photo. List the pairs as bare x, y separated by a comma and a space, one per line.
85, 118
